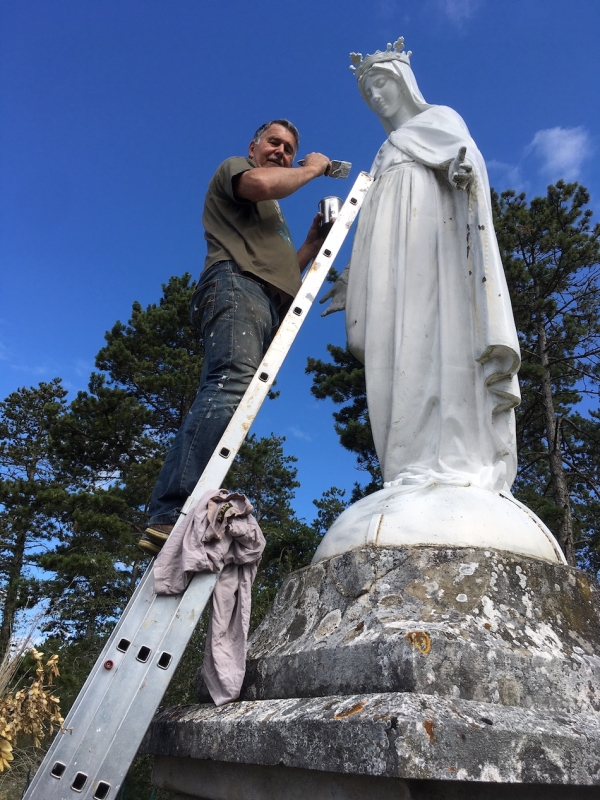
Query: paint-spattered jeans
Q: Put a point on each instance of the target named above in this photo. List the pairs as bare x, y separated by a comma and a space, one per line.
237, 320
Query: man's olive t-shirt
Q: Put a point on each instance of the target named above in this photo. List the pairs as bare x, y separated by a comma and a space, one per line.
254, 235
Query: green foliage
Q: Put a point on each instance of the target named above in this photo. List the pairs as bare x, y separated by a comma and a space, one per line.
343, 381
104, 451
550, 252
107, 461
263, 473
108, 449
94, 566
75, 659
156, 357
103, 436
29, 493
329, 506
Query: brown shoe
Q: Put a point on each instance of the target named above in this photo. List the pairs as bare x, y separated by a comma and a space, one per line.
149, 548
158, 533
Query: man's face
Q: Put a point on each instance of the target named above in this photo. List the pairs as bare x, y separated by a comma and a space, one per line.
276, 148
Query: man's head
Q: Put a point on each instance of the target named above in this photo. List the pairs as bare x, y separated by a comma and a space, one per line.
275, 144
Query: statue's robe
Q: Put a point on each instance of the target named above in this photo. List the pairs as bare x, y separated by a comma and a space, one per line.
428, 313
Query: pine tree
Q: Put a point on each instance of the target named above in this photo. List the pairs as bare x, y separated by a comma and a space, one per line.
157, 357
109, 448
30, 494
551, 254
343, 381
329, 507
107, 461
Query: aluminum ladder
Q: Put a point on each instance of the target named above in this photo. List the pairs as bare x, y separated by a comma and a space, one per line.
91, 754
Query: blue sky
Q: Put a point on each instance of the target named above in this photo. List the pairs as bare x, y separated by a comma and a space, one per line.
115, 113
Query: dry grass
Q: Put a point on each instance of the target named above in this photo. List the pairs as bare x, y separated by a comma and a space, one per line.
14, 780
28, 711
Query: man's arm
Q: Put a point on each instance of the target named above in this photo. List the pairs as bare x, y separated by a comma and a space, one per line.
275, 183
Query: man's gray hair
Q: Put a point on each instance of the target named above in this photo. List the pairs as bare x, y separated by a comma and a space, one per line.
285, 123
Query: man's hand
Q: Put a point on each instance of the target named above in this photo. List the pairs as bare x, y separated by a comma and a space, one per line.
316, 235
318, 162
460, 172
313, 242
337, 294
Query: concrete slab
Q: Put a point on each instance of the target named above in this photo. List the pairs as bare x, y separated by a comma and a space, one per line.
409, 736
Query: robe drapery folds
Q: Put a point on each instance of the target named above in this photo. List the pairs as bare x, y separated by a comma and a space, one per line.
428, 311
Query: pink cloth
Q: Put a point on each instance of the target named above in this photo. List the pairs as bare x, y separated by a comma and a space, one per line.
220, 532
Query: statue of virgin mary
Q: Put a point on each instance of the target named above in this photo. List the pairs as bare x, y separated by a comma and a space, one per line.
428, 313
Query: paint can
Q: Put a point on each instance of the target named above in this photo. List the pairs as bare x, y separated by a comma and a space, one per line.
329, 208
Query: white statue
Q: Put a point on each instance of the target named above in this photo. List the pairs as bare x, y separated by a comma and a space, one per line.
428, 313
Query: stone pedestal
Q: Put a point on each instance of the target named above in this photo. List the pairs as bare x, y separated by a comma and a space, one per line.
410, 672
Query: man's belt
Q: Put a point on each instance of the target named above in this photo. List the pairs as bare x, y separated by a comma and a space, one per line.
279, 297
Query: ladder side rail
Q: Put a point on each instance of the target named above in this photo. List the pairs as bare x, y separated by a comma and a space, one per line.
81, 710
91, 701
133, 726
138, 614
139, 683
117, 683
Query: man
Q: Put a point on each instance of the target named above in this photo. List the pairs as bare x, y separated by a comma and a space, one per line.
251, 274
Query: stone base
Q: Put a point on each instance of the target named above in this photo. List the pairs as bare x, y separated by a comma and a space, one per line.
415, 672
404, 738
463, 623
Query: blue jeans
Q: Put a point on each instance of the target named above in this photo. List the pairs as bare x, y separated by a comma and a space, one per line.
237, 320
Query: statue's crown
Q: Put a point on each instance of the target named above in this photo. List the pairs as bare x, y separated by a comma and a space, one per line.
392, 53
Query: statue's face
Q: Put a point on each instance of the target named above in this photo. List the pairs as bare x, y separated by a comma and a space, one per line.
383, 92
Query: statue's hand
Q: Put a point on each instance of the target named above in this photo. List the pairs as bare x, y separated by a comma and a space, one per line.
460, 172
337, 294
